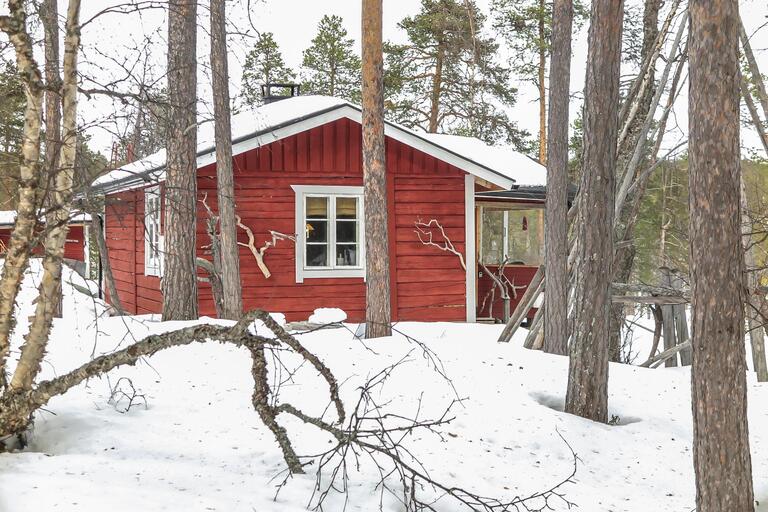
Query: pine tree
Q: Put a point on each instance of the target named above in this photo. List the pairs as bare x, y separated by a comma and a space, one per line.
446, 78
330, 65
12, 120
526, 26
263, 64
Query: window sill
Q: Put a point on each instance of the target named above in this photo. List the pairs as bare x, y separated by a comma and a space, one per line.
329, 274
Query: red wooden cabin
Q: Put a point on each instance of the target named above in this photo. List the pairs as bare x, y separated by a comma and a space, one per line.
298, 182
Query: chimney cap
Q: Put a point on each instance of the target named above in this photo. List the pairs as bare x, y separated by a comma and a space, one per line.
268, 96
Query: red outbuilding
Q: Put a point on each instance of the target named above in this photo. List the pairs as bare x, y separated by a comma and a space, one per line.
457, 210
75, 248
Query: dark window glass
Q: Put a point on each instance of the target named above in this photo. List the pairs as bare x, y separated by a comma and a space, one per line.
346, 255
346, 231
317, 231
317, 255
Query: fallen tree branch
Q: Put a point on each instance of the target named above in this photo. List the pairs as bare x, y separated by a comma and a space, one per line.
656, 360
259, 253
424, 229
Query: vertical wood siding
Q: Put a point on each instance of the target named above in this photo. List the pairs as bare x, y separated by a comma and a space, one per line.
428, 284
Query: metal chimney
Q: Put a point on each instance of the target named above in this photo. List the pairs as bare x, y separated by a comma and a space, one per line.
275, 92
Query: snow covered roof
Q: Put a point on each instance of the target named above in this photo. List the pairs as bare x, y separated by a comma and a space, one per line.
8, 218
506, 159
501, 165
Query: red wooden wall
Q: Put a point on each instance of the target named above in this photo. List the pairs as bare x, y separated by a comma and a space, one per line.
74, 248
519, 275
427, 284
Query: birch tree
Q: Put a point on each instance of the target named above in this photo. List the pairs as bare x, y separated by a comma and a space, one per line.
179, 283
33, 349
721, 456
229, 252
378, 315
587, 393
18, 248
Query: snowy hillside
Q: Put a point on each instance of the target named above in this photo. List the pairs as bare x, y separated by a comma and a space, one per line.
199, 445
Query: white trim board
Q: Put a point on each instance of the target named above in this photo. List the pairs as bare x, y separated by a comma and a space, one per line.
469, 245
301, 191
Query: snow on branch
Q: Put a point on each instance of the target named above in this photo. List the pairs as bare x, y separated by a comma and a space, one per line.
259, 253
426, 231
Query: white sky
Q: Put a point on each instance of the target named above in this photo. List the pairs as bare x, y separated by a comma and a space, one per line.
110, 39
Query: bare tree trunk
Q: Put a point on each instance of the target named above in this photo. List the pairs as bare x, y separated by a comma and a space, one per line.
19, 246
33, 349
542, 86
721, 456
229, 251
556, 211
378, 316
49, 15
754, 69
587, 393
179, 281
106, 265
754, 322
437, 84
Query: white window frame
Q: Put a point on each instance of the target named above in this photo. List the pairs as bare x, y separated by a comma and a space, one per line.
332, 192
153, 260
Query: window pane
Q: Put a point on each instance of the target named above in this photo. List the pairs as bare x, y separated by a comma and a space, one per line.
346, 208
526, 236
346, 231
317, 208
317, 256
317, 231
346, 255
493, 236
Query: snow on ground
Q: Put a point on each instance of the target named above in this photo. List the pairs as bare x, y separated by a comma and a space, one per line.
199, 445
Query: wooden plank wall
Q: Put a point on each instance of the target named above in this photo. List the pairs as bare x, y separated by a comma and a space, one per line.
428, 284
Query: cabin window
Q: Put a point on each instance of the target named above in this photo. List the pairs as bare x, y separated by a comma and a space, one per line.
329, 232
153, 239
512, 235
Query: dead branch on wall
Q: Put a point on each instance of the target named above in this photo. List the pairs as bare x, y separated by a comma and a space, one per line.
424, 231
259, 253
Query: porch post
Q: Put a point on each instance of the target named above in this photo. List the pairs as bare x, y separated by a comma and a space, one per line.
469, 244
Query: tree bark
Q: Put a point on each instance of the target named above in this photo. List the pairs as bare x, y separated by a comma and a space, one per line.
49, 15
542, 85
587, 393
33, 349
639, 111
229, 251
378, 316
721, 456
437, 84
556, 211
106, 265
19, 246
179, 283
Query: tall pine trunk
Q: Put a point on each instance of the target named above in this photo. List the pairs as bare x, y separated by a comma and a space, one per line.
378, 316
179, 283
587, 393
721, 455
556, 223
542, 85
229, 253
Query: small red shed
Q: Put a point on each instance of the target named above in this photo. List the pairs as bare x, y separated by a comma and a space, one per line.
75, 248
452, 202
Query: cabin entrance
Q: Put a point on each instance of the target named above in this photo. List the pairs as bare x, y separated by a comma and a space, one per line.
511, 248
